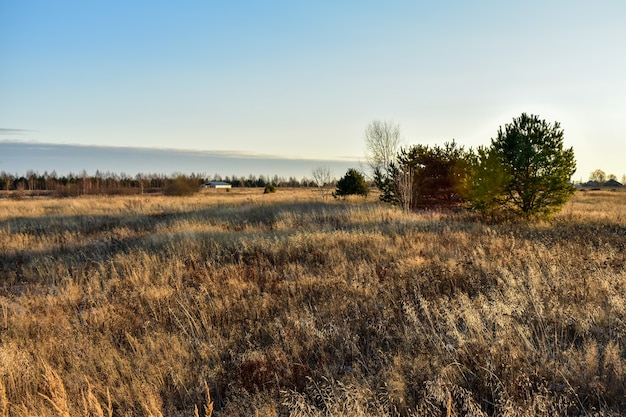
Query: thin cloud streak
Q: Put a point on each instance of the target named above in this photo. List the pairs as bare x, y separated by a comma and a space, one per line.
9, 131
20, 156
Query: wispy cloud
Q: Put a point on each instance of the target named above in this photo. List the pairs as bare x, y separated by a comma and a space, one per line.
7, 131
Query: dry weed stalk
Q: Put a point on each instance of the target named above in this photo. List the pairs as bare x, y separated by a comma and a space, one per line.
57, 397
4, 401
208, 407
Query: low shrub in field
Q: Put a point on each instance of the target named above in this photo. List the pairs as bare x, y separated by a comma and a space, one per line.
353, 183
181, 186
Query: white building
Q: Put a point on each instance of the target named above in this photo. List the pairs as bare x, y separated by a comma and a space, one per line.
216, 184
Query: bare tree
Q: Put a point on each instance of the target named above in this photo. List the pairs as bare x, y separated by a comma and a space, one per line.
382, 142
323, 177
84, 180
139, 179
7, 179
31, 176
404, 186
598, 176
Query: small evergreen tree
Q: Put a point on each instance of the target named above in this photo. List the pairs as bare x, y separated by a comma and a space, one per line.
538, 169
439, 174
353, 183
384, 179
489, 178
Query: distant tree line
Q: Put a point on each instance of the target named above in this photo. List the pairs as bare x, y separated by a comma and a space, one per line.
110, 183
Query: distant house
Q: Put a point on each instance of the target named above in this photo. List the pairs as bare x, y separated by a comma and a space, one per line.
612, 183
595, 185
216, 184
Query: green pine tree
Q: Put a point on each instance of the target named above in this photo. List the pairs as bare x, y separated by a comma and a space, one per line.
353, 183
538, 169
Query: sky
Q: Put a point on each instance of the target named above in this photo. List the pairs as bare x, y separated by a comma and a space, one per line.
303, 79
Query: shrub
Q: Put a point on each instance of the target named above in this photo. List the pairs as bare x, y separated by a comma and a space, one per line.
353, 183
181, 185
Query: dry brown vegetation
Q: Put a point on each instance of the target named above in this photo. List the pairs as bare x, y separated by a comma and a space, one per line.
239, 303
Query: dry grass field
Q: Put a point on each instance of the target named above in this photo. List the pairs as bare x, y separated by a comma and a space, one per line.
244, 304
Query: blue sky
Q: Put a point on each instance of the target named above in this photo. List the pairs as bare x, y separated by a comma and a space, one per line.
304, 78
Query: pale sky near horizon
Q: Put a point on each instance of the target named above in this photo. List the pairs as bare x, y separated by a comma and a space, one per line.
304, 78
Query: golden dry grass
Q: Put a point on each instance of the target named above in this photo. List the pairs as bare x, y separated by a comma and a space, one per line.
241, 303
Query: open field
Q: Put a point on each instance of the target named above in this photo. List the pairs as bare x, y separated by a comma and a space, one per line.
288, 304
